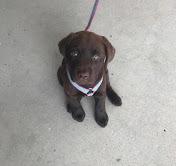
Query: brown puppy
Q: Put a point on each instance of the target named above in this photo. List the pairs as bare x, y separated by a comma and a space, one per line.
84, 73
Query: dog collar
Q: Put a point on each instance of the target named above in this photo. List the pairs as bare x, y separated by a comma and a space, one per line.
86, 91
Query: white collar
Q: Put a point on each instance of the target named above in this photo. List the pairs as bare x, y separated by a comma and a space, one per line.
86, 91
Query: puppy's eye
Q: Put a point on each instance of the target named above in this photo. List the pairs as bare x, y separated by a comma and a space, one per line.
95, 57
74, 53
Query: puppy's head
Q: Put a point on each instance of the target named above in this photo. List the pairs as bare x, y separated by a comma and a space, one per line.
86, 55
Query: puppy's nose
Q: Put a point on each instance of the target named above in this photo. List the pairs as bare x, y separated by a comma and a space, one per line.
84, 75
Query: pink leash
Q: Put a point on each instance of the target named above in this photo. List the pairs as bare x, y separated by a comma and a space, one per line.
92, 14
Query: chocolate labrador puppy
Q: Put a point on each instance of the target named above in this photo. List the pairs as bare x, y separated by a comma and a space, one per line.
84, 73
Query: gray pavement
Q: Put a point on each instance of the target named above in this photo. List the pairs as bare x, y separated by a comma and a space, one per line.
36, 130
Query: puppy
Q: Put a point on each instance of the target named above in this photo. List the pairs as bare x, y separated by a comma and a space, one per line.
84, 73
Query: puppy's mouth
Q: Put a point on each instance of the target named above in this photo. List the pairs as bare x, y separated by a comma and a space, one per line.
83, 80
84, 83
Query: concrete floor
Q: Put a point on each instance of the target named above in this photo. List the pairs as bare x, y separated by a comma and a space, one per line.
36, 130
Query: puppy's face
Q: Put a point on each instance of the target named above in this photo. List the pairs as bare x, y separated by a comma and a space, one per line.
86, 55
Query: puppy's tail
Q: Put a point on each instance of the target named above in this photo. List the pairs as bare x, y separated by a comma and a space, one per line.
113, 96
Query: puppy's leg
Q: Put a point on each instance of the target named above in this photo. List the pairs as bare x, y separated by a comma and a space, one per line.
74, 107
101, 116
112, 95
59, 76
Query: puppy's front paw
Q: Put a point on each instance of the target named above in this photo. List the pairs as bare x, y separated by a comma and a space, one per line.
78, 114
101, 118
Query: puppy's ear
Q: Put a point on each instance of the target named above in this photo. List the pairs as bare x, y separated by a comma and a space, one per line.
109, 49
64, 43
